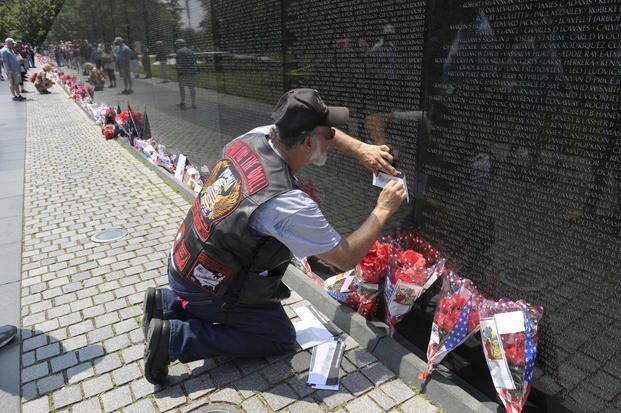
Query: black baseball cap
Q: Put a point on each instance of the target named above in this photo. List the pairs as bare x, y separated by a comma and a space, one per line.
301, 110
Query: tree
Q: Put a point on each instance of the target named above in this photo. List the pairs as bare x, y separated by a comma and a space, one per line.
28, 20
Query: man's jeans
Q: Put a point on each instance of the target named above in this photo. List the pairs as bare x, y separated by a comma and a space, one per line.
205, 326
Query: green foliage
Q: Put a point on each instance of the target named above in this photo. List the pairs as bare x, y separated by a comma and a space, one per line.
28, 20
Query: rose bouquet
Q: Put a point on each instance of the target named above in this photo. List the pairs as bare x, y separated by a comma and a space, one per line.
360, 288
409, 277
509, 339
454, 321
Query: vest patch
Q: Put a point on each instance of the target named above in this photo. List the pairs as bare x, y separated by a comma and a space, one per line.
219, 197
181, 256
208, 273
250, 165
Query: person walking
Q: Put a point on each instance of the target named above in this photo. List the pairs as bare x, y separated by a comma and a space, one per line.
12, 68
231, 251
187, 70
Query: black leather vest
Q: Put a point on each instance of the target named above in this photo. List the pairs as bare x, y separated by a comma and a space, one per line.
215, 249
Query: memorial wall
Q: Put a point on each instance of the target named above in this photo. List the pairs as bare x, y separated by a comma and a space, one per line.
505, 116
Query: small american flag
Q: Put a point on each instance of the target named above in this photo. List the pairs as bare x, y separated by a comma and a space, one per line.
460, 330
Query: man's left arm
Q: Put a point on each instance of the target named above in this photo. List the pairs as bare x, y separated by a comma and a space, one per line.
373, 157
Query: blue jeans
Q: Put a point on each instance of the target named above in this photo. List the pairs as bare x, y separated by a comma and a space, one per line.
209, 327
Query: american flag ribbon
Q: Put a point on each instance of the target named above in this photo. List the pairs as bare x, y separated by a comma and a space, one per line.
460, 329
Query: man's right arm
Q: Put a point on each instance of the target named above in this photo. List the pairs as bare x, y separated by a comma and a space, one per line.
353, 248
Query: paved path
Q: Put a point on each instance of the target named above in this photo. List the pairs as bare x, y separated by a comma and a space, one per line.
81, 343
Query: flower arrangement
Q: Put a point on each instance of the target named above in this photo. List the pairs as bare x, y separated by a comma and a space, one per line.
509, 340
454, 321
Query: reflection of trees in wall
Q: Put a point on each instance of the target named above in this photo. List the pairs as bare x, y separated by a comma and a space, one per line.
28, 21
145, 21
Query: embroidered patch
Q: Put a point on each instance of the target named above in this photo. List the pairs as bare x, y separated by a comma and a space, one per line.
181, 256
220, 196
250, 164
209, 274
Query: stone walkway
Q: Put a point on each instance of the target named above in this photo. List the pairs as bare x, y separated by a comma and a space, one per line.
81, 341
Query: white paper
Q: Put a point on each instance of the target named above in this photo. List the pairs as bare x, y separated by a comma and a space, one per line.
380, 179
495, 355
310, 331
180, 167
512, 322
348, 280
325, 365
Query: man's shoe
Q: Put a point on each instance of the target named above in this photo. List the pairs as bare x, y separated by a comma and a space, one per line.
16, 98
7, 333
129, 91
156, 351
124, 92
151, 308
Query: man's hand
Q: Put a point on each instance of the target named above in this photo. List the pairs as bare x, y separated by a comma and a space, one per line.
374, 157
377, 158
391, 197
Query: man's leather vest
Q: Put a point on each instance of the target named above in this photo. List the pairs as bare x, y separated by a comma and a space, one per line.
215, 249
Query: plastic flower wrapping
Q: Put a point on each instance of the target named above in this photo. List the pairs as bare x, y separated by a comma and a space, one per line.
360, 288
454, 321
413, 269
509, 340
410, 276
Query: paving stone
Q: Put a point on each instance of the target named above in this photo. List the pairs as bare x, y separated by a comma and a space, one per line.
397, 390
142, 406
80, 372
225, 374
280, 396
97, 385
28, 358
50, 383
107, 363
34, 342
99, 334
30, 391
75, 343
198, 386
249, 365
141, 388
81, 304
300, 361
254, 405
66, 396
36, 406
125, 326
34, 319
227, 395
126, 374
87, 406
419, 405
48, 351
116, 343
93, 311
378, 373
34, 372
170, 397
357, 383
306, 406
117, 398
299, 385
90, 352
360, 357
133, 353
363, 404
382, 399
334, 398
115, 305
248, 385
277, 372
81, 328
63, 361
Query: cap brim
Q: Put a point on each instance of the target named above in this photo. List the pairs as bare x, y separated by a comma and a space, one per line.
337, 116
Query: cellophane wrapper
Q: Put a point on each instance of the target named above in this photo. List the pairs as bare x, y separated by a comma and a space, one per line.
363, 284
414, 267
409, 277
509, 340
455, 319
